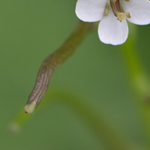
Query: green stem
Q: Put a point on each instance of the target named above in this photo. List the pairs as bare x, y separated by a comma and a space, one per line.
99, 125
103, 129
138, 78
137, 73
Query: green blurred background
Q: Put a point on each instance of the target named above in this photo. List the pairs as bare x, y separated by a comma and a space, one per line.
29, 31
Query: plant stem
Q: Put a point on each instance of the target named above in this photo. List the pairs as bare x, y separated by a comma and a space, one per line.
110, 136
138, 78
103, 129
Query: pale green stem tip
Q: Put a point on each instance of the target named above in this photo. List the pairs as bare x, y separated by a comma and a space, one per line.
29, 108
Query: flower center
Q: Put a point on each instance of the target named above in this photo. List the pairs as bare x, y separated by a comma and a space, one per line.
116, 7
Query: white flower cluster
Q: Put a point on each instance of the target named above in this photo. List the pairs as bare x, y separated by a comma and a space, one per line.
112, 14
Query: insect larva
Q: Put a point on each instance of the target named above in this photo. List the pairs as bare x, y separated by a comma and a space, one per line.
52, 62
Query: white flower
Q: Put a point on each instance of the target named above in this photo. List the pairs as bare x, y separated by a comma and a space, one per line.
113, 28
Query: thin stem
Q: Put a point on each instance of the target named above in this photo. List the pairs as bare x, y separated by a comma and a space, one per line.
105, 131
138, 78
137, 72
53, 61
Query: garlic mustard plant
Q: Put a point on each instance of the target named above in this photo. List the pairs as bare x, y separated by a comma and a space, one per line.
112, 14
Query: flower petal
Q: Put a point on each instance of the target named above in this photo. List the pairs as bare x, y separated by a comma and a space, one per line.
112, 31
90, 10
139, 11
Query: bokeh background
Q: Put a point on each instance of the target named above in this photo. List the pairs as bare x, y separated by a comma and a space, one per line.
29, 31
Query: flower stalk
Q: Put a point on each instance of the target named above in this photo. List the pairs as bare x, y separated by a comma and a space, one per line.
110, 136
139, 80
